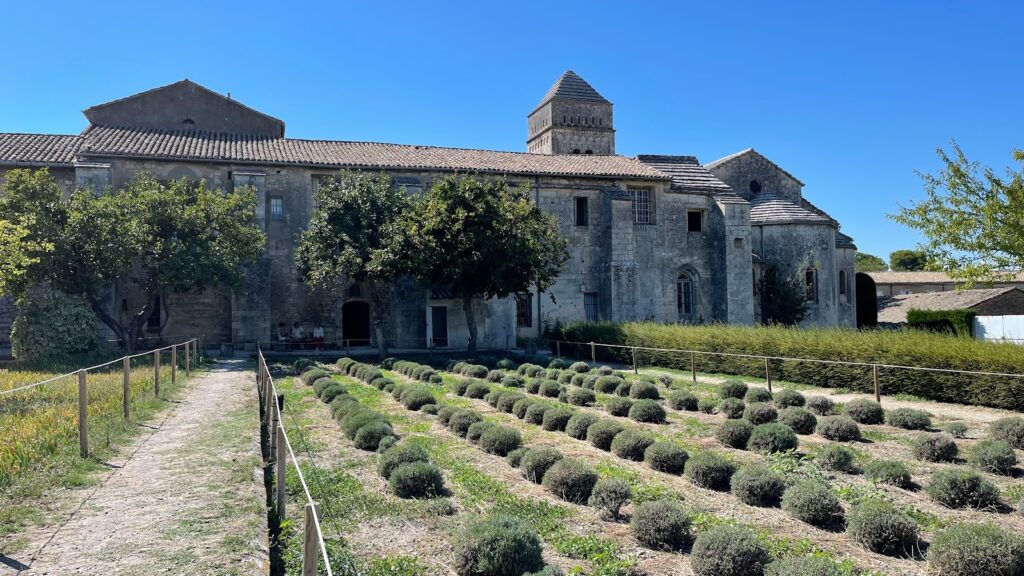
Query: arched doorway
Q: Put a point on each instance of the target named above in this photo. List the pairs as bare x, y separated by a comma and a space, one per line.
355, 323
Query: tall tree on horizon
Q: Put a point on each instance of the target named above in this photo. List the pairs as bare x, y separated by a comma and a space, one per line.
870, 263
908, 260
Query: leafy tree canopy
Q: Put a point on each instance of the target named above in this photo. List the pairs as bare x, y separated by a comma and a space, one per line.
177, 237
908, 260
972, 218
480, 239
870, 263
15, 254
783, 298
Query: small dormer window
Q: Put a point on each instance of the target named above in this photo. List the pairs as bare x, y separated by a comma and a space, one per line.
188, 122
755, 186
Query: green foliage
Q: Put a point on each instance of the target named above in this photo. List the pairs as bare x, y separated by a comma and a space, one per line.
812, 501
892, 472
446, 412
881, 528
500, 440
908, 260
536, 462
913, 348
609, 495
732, 407
787, 397
416, 480
733, 388
952, 322
936, 448
178, 237
799, 419
835, 457
757, 395
369, 436
631, 444
577, 426
838, 428
707, 405
803, 565
580, 396
477, 389
726, 550
416, 398
961, 488
607, 384
50, 324
644, 390
358, 418
666, 457
481, 238
477, 429
515, 457
758, 486
461, 420
868, 263
535, 413
820, 405
617, 406
507, 401
909, 419
647, 411
512, 381
760, 413
955, 429
549, 388
682, 400
661, 524
522, 406
556, 419
976, 550
570, 480
710, 470
734, 433
1010, 430
783, 298
864, 411
397, 455
498, 545
602, 432
772, 437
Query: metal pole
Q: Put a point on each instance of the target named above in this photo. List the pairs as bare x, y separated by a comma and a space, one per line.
558, 348
83, 415
768, 373
174, 364
593, 352
635, 371
126, 365
156, 372
693, 365
310, 539
281, 463
878, 387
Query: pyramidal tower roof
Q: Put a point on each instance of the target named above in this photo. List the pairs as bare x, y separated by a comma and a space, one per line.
571, 87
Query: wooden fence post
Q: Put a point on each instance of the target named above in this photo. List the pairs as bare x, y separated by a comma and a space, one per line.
83, 415
878, 387
693, 366
188, 360
635, 370
156, 372
310, 541
768, 372
282, 462
593, 352
174, 364
126, 367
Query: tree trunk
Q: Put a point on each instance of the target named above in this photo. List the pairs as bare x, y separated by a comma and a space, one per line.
128, 335
467, 307
379, 319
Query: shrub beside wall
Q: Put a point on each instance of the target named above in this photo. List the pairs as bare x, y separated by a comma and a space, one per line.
906, 347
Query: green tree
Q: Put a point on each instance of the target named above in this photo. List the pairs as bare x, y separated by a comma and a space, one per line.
908, 260
783, 298
972, 218
480, 238
15, 254
157, 238
870, 263
348, 238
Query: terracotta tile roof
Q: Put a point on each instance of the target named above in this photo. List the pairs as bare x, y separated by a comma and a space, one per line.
38, 149
767, 208
689, 176
922, 277
893, 310
205, 146
571, 87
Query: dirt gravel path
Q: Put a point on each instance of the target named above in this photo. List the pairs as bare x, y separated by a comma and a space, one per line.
186, 499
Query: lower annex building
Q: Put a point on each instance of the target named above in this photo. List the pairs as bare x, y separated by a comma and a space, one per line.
651, 237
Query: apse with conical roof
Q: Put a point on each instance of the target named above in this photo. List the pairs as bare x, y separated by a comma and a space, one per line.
572, 118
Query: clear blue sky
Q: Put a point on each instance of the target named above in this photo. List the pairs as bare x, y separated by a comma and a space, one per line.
850, 97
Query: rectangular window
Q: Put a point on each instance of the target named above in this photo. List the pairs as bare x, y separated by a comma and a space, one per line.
524, 310
641, 205
276, 208
590, 305
694, 220
582, 214
811, 284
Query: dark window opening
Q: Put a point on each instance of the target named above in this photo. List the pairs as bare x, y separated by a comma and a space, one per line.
524, 310
582, 214
684, 295
589, 152
694, 221
811, 284
276, 208
576, 151
755, 186
844, 288
153, 322
590, 306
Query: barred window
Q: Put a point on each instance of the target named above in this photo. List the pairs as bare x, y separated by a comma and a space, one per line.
590, 306
684, 296
276, 208
524, 310
641, 205
582, 214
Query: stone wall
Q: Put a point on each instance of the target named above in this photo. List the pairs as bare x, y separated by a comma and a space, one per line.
791, 249
740, 171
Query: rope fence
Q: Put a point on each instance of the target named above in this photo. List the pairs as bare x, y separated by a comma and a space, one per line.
313, 547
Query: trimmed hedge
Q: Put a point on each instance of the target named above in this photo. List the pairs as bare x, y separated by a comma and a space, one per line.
813, 502
417, 480
899, 347
647, 410
728, 551
570, 480
661, 524
617, 406
666, 457
803, 566
602, 432
835, 457
734, 433
959, 488
881, 528
535, 463
498, 546
976, 550
864, 411
758, 486
892, 472
799, 419
838, 428
610, 495
710, 470
995, 456
577, 426
682, 400
936, 448
631, 444
556, 419
909, 419
732, 408
772, 437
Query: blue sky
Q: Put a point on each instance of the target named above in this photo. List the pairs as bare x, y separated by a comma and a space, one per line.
850, 97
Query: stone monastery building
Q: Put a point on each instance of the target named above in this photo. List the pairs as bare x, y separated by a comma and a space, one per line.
655, 237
